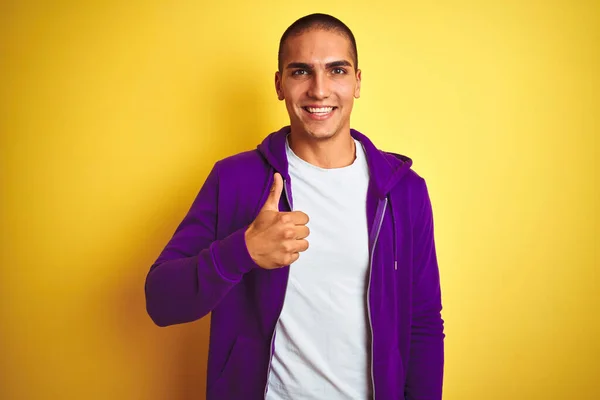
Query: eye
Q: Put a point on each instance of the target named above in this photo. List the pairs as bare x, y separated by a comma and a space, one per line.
299, 72
338, 71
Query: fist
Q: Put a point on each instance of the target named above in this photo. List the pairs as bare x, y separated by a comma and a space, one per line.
276, 239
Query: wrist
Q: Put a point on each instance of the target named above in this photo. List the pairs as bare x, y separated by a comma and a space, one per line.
248, 241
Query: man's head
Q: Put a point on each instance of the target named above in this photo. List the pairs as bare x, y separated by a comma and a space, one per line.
318, 76
319, 22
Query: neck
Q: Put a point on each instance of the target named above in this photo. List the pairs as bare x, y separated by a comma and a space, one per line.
337, 151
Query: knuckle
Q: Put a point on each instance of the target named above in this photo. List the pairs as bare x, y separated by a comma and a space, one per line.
279, 261
285, 218
287, 247
292, 258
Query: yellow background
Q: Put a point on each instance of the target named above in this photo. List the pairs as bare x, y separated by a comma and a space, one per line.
112, 114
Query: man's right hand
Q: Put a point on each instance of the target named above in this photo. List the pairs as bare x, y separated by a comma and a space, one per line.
275, 239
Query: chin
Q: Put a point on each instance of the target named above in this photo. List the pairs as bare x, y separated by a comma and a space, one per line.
320, 132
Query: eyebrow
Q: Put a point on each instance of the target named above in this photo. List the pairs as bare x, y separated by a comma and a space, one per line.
333, 64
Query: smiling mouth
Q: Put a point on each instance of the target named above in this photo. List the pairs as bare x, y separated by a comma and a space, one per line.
319, 111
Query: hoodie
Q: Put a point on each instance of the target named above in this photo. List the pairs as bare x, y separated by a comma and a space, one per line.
206, 268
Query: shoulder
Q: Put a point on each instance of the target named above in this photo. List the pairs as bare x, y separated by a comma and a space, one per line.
241, 181
242, 178
244, 164
409, 175
411, 185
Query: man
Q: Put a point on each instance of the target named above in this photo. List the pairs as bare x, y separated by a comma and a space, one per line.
355, 315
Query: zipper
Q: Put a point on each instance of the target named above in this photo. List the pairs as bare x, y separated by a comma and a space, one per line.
379, 223
287, 197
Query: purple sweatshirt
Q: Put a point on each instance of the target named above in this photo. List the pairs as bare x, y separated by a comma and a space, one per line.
206, 268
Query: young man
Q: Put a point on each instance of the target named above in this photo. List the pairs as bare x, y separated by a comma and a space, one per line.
355, 315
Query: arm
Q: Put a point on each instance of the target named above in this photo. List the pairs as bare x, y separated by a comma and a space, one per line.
195, 271
426, 359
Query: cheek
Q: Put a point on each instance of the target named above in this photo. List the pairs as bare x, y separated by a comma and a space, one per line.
294, 89
291, 108
345, 91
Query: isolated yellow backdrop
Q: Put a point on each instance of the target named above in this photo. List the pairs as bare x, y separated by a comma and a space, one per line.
112, 114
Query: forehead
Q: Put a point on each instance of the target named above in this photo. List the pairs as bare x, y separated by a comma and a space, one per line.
316, 46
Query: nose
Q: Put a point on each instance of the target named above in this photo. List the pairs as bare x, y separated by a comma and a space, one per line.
318, 88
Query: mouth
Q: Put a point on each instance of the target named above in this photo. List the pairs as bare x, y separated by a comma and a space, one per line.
319, 112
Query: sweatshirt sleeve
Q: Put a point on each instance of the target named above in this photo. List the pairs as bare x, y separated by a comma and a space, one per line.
195, 270
426, 359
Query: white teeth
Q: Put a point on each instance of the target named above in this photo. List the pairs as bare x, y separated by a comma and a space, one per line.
320, 110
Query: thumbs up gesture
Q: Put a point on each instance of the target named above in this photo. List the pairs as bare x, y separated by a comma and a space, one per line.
275, 239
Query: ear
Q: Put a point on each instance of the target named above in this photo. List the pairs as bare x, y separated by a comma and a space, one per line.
358, 79
278, 87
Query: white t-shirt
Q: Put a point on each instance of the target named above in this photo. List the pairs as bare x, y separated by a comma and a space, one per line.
322, 346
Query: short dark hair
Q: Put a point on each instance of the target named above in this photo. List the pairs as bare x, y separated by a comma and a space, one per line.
317, 21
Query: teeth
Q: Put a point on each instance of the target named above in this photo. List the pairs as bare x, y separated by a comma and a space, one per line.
320, 110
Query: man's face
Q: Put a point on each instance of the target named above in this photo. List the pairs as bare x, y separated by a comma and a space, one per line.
318, 82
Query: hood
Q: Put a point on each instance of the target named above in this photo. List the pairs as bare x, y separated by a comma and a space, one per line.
386, 169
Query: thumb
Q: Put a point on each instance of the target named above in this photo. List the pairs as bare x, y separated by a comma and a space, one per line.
272, 202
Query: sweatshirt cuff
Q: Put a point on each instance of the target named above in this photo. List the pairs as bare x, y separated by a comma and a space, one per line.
231, 255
